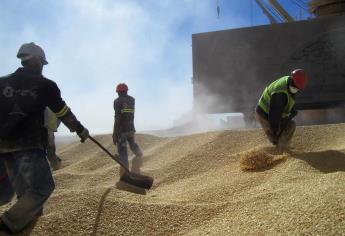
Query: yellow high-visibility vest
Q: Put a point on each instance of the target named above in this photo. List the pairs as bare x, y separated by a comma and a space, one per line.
51, 121
279, 86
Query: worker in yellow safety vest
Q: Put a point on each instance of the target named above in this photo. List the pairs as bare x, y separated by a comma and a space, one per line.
51, 122
276, 108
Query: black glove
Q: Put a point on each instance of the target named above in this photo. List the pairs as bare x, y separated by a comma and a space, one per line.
83, 134
293, 114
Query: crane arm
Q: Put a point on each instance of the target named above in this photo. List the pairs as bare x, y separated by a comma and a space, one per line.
275, 4
266, 12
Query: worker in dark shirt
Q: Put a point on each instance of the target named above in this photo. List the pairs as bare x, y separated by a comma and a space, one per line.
124, 129
24, 96
276, 108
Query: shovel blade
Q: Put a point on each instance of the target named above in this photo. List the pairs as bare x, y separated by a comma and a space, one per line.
141, 181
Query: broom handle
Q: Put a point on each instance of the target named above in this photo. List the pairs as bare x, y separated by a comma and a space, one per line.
111, 155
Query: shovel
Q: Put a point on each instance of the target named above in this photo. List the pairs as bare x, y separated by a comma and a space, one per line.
138, 180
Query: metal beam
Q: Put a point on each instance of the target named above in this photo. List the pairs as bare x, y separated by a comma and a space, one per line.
266, 12
275, 4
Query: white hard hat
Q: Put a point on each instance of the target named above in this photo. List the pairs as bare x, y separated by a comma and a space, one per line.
29, 50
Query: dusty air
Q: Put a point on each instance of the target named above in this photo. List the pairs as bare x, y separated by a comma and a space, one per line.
189, 118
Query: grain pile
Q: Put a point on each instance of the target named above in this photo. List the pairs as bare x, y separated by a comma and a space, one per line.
261, 158
200, 188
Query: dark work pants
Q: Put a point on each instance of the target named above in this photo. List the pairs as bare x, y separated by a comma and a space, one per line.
6, 190
33, 183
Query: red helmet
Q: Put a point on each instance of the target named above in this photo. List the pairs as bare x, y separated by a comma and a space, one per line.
299, 78
121, 88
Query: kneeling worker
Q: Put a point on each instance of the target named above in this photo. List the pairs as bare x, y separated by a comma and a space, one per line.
276, 108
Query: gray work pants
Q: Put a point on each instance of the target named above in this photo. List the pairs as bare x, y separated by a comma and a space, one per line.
122, 140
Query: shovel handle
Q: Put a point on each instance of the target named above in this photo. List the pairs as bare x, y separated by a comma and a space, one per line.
111, 155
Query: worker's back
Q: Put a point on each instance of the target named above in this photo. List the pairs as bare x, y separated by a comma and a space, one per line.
124, 107
23, 98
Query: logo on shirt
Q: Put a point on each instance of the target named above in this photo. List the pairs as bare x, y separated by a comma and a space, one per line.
9, 92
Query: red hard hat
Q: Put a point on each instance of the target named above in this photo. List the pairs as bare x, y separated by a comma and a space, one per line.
299, 78
121, 88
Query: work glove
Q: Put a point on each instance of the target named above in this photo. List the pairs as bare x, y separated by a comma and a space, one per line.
293, 114
83, 135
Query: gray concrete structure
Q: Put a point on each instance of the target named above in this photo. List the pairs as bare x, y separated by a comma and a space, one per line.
232, 67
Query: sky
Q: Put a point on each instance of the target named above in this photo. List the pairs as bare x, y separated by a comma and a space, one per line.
92, 45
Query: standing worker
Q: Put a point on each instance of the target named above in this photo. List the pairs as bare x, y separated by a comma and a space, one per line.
24, 95
276, 108
51, 122
124, 129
